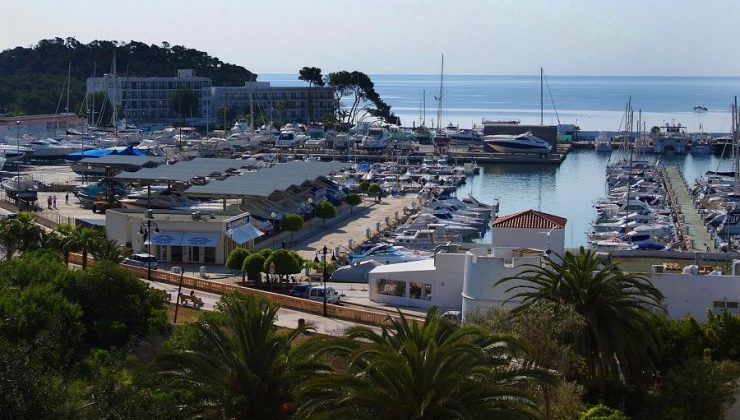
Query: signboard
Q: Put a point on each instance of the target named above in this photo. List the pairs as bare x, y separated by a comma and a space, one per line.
237, 221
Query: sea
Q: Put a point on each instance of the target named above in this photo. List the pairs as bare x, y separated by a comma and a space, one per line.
593, 103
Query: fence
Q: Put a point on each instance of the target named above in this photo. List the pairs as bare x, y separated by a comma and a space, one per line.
299, 304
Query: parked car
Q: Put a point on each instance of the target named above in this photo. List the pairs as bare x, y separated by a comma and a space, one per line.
142, 260
317, 294
301, 290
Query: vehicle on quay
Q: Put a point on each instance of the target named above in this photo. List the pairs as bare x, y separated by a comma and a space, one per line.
142, 260
301, 290
317, 293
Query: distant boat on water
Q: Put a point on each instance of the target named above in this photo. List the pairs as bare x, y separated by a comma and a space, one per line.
700, 108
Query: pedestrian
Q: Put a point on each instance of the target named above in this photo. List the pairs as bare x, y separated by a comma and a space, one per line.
54, 200
48, 202
66, 198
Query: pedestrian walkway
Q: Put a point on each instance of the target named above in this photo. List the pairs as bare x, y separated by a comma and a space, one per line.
696, 236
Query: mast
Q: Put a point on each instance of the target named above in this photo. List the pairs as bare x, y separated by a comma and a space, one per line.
542, 98
92, 106
69, 72
251, 104
114, 118
735, 156
441, 87
424, 107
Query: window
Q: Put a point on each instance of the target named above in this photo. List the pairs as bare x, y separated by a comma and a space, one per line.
176, 254
391, 287
195, 253
421, 291
210, 255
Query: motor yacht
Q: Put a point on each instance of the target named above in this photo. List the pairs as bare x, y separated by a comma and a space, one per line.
603, 143
390, 254
520, 143
50, 149
376, 138
20, 187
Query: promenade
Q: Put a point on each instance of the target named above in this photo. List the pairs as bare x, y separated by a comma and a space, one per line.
693, 231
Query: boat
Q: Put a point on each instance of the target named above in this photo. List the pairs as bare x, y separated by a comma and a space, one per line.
389, 254
20, 187
13, 153
50, 149
603, 143
288, 138
2, 162
701, 145
670, 138
700, 109
520, 143
376, 138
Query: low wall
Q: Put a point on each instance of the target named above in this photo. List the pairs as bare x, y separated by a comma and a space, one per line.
299, 304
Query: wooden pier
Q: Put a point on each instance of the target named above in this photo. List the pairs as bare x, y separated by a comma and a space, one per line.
691, 229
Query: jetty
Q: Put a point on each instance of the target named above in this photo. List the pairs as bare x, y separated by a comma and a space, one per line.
691, 229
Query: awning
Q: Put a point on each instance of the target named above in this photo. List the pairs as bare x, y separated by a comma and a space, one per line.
165, 238
206, 239
244, 233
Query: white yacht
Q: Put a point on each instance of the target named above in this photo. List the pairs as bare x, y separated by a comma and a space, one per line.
12, 153
520, 143
390, 254
376, 138
21, 186
603, 143
51, 149
289, 138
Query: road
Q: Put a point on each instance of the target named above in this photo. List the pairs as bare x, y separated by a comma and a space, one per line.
286, 317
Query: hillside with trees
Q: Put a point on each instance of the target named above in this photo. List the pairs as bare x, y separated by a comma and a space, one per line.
32, 78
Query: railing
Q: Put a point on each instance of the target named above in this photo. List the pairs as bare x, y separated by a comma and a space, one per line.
299, 304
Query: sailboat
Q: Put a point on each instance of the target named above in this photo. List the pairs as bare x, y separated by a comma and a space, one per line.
441, 138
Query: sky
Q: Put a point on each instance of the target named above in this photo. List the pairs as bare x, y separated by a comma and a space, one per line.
568, 37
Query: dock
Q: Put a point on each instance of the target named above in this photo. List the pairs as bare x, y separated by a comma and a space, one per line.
691, 229
454, 154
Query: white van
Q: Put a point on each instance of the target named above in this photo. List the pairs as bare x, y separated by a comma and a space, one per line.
142, 260
317, 294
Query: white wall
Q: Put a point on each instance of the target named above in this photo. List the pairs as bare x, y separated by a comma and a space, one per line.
528, 238
481, 273
687, 293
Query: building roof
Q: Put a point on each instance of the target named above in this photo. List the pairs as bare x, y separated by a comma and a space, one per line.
264, 182
404, 267
184, 170
530, 219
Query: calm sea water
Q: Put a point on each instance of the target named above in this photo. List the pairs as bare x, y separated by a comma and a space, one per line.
593, 103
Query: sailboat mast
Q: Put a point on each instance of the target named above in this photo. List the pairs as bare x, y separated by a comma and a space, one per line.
69, 72
542, 98
441, 87
735, 156
251, 104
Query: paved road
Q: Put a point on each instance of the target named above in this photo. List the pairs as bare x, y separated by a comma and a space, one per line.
286, 317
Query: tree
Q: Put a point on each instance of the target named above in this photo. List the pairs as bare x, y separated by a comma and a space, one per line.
353, 199
251, 369
253, 266
292, 223
87, 239
619, 341
602, 412
116, 305
235, 260
286, 262
325, 210
65, 240
363, 186
374, 191
109, 250
184, 103
20, 233
358, 86
428, 370
313, 76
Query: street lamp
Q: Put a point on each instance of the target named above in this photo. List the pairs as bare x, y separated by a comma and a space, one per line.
18, 146
325, 277
310, 215
273, 218
145, 230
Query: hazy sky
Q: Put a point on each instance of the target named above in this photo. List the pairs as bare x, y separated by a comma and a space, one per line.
580, 37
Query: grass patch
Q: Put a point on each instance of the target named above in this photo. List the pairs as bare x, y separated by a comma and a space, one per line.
185, 315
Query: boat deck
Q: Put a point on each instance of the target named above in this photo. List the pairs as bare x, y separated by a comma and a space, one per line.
693, 231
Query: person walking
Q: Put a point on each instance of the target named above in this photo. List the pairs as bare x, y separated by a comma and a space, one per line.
54, 201
48, 202
66, 198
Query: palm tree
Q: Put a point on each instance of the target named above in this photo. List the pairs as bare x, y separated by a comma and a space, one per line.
20, 233
251, 369
109, 250
88, 238
619, 339
411, 370
65, 240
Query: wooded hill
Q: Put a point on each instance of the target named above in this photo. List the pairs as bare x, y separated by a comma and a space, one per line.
31, 78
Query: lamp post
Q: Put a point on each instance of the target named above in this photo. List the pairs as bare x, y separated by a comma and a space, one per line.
310, 215
177, 298
18, 151
273, 217
145, 230
325, 276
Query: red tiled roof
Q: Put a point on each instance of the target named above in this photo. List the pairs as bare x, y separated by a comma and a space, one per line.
531, 219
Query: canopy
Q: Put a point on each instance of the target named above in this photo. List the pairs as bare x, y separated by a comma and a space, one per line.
206, 239
244, 233
165, 238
